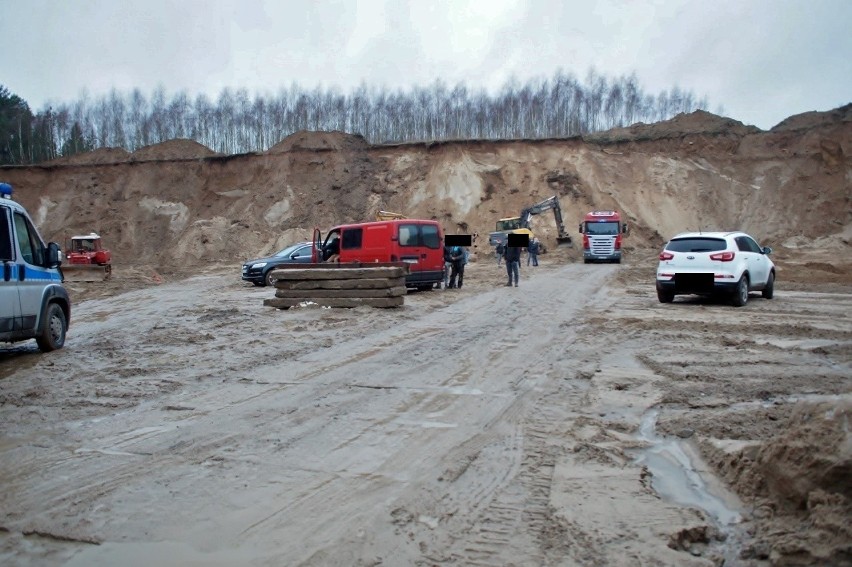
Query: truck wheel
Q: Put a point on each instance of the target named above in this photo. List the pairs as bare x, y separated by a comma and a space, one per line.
53, 329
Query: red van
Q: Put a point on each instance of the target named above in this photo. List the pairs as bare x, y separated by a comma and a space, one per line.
420, 243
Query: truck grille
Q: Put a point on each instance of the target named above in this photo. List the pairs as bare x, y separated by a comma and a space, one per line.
602, 246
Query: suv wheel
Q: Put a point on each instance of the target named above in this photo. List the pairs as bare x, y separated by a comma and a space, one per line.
268, 279
665, 296
741, 294
54, 327
769, 289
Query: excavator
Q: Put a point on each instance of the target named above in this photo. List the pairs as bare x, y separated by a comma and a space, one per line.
87, 260
521, 224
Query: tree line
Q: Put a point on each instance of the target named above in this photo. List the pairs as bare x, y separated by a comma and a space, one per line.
236, 122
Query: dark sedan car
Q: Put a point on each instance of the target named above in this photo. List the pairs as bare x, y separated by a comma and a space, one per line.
257, 271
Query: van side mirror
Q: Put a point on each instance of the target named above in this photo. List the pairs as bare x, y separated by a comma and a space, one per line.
54, 255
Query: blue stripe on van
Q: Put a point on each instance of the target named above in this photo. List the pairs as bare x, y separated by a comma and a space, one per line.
35, 273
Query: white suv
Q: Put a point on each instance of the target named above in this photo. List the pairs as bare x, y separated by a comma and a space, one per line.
715, 263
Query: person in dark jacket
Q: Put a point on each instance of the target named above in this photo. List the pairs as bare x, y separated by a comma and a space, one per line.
331, 253
448, 265
512, 255
532, 252
499, 251
458, 259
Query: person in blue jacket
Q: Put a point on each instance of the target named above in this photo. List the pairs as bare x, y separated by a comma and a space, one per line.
458, 257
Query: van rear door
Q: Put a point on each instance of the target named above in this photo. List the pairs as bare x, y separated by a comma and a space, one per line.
10, 303
420, 246
32, 274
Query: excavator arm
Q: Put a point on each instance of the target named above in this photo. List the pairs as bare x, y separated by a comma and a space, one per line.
538, 208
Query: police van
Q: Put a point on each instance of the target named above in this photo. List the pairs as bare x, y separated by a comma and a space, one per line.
33, 302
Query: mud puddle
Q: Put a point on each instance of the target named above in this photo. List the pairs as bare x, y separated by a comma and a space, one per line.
677, 477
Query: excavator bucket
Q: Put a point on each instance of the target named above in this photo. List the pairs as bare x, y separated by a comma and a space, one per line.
86, 272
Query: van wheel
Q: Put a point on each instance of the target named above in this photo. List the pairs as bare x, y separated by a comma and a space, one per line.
53, 329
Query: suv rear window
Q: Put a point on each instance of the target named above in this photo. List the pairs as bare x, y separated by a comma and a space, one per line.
697, 244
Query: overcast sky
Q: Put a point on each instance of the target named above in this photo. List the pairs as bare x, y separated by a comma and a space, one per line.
759, 60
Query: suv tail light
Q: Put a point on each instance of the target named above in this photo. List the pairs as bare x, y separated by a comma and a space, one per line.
723, 256
666, 256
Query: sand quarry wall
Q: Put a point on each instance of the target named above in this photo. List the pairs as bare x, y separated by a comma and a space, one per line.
179, 205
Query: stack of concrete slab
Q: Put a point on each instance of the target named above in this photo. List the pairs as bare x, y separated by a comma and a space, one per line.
339, 285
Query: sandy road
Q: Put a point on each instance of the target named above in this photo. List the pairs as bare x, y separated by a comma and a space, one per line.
188, 424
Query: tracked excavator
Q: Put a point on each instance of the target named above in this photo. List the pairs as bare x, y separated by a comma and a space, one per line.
521, 224
87, 259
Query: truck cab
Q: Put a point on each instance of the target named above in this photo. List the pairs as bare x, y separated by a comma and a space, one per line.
602, 235
33, 302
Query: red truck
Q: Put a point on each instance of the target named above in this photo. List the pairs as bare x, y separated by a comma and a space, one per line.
602, 233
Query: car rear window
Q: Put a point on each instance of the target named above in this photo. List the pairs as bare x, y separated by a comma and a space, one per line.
696, 244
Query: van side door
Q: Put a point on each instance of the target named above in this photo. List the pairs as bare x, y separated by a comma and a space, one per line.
10, 303
33, 275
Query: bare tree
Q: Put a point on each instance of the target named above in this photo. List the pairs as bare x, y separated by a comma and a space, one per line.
238, 122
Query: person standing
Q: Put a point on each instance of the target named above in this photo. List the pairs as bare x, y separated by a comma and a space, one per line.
458, 257
532, 252
499, 251
512, 255
448, 264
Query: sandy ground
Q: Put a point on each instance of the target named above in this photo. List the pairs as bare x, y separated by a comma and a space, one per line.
571, 421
